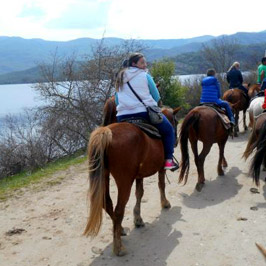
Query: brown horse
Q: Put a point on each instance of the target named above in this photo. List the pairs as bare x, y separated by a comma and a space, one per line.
128, 154
239, 102
201, 124
253, 90
257, 140
237, 98
109, 112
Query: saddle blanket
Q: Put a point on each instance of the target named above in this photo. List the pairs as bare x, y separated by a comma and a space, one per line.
221, 113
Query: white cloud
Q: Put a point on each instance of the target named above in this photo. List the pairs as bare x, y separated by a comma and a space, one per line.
129, 18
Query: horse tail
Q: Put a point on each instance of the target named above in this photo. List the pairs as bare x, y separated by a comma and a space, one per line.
259, 155
251, 144
190, 120
99, 141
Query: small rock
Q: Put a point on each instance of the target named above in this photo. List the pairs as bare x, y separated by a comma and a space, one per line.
46, 238
96, 250
15, 231
254, 190
242, 219
254, 208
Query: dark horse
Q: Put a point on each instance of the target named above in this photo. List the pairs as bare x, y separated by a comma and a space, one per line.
128, 154
257, 140
201, 124
239, 102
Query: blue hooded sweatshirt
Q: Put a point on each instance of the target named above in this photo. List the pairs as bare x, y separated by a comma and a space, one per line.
210, 90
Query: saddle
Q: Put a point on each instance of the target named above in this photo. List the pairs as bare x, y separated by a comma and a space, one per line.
221, 113
146, 127
214, 106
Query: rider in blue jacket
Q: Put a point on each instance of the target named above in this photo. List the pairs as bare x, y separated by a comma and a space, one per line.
211, 93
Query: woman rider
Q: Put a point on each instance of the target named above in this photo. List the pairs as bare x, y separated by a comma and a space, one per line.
235, 79
128, 106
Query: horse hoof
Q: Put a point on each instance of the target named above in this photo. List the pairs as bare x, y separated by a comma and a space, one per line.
199, 187
139, 223
235, 135
120, 252
246, 128
221, 173
166, 205
124, 232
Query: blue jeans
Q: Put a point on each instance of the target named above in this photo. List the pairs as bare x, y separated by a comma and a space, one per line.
165, 128
263, 85
227, 107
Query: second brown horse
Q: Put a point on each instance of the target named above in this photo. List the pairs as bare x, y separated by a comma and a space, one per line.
201, 124
239, 102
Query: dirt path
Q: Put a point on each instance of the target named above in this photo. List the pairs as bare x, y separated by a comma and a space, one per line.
200, 228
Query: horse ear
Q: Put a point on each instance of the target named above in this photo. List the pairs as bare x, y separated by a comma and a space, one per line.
177, 110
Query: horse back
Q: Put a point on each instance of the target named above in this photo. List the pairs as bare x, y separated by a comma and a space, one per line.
237, 97
210, 127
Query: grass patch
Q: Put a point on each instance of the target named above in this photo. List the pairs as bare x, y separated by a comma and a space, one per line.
11, 184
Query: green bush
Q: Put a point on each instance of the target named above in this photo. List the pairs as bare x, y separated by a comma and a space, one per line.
171, 90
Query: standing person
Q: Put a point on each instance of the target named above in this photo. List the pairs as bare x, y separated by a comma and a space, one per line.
262, 74
211, 93
234, 78
128, 106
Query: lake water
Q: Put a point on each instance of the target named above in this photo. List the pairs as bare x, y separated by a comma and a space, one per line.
13, 98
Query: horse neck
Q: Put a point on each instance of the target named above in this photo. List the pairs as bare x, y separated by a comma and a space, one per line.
168, 112
252, 90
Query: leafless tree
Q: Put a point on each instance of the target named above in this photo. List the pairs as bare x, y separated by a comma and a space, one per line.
220, 54
73, 95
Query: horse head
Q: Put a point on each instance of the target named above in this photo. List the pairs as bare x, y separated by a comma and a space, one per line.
253, 90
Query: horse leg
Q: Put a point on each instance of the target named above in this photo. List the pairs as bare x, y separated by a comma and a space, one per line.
224, 162
251, 119
244, 120
264, 163
164, 202
221, 158
201, 179
236, 129
139, 193
194, 147
122, 199
108, 201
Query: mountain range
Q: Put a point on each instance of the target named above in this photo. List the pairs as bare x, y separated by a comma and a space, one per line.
20, 57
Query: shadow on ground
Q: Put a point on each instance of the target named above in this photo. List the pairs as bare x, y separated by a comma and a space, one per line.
150, 245
215, 191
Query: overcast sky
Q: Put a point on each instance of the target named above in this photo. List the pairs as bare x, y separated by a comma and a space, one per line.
146, 19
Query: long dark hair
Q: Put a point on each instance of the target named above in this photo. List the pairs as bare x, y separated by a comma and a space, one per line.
134, 58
